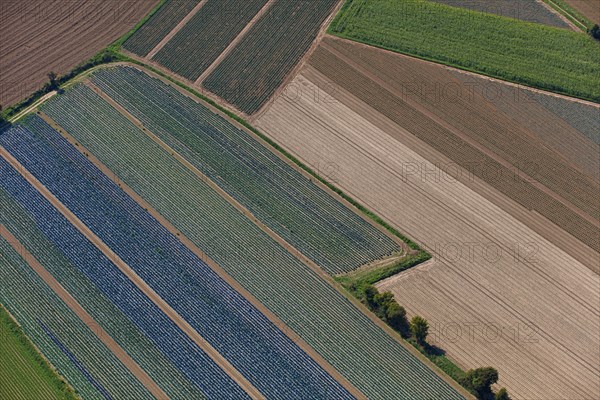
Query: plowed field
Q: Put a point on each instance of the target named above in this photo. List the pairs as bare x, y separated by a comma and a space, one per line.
39, 36
507, 288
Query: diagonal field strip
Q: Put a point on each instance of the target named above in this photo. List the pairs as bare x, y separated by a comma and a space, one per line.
213, 265
60, 291
293, 251
139, 282
234, 42
177, 28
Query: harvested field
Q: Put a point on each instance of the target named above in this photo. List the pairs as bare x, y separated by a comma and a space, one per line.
206, 35
295, 291
494, 148
258, 65
526, 10
499, 281
158, 26
40, 36
589, 8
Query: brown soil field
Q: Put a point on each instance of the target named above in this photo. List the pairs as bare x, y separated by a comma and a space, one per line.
589, 8
472, 132
507, 288
39, 36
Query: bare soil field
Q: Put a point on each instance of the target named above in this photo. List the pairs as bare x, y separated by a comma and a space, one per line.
503, 289
39, 36
589, 8
471, 132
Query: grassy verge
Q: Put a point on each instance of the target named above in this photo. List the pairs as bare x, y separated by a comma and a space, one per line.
25, 373
532, 54
570, 13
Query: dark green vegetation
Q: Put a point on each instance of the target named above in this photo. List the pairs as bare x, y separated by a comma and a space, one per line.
24, 373
194, 48
157, 24
258, 65
532, 54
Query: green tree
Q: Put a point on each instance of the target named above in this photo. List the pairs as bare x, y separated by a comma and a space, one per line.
480, 381
396, 317
52, 78
419, 328
502, 395
595, 32
370, 292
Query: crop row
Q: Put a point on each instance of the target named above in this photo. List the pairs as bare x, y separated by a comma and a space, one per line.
194, 48
33, 303
364, 353
158, 26
258, 65
220, 315
155, 342
303, 214
515, 185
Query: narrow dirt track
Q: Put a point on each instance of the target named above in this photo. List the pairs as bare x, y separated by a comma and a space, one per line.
189, 244
139, 282
177, 28
39, 36
234, 43
498, 289
589, 8
87, 319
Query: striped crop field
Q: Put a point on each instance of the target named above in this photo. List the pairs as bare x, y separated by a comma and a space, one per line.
294, 292
259, 64
233, 327
194, 48
158, 26
23, 372
311, 220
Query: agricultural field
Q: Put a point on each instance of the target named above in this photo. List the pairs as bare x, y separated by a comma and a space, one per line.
544, 57
301, 296
24, 373
311, 220
239, 332
528, 10
258, 65
198, 44
588, 8
501, 274
39, 36
163, 21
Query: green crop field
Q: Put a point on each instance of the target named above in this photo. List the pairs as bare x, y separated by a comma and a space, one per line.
532, 54
24, 373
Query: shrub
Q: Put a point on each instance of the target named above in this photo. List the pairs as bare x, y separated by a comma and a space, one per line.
502, 395
480, 380
595, 32
419, 328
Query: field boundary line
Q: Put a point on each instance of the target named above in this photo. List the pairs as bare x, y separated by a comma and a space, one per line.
135, 279
555, 10
274, 151
470, 73
175, 30
533, 182
584, 254
83, 315
234, 42
303, 60
292, 250
204, 257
